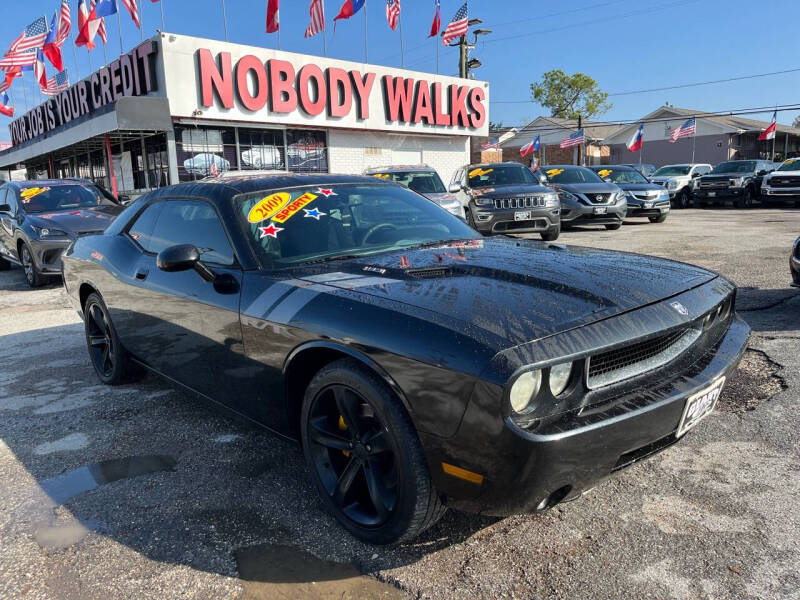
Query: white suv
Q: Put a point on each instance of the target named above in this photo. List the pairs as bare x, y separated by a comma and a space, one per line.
678, 180
782, 184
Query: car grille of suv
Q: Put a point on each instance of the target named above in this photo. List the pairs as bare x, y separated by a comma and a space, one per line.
646, 195
720, 182
520, 202
785, 182
598, 198
632, 360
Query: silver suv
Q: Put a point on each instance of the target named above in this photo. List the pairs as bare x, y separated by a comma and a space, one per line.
421, 179
678, 179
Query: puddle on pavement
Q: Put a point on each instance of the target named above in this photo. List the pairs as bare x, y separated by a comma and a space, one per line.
280, 571
84, 479
63, 535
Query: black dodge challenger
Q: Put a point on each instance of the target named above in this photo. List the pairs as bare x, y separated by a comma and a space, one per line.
420, 365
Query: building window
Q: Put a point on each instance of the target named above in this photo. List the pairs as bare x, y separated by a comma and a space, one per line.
307, 151
157, 161
261, 149
204, 152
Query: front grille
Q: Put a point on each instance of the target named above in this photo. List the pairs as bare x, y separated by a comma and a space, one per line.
434, 273
714, 183
632, 360
784, 182
520, 202
598, 198
646, 195
629, 458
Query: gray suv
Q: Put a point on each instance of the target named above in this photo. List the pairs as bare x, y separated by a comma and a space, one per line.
585, 198
507, 198
421, 179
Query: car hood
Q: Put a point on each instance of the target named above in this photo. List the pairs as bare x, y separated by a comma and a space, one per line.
81, 220
588, 188
783, 174
640, 187
502, 191
518, 290
441, 197
670, 178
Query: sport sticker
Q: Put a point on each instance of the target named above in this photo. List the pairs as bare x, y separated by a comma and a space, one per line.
605, 173
30, 193
554, 172
267, 207
479, 172
294, 207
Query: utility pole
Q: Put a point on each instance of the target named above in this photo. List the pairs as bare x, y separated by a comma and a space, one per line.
464, 47
580, 146
462, 57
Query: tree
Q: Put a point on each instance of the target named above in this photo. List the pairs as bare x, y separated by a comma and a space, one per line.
568, 96
796, 122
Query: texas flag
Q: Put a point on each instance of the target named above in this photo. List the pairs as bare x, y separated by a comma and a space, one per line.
349, 8
51, 48
89, 20
39, 70
532, 146
5, 109
636, 142
769, 132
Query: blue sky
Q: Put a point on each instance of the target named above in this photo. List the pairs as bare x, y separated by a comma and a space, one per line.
624, 44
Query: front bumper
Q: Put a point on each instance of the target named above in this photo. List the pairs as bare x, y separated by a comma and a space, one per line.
582, 214
492, 220
718, 194
47, 255
639, 208
779, 194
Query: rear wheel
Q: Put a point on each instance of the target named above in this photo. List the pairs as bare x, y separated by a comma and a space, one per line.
613, 226
551, 234
658, 219
746, 201
109, 358
32, 274
365, 457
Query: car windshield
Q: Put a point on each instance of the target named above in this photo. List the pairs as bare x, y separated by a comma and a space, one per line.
793, 164
422, 182
616, 175
736, 166
494, 175
571, 175
672, 170
36, 199
314, 224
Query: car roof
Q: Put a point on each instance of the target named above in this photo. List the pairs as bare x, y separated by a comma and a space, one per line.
562, 167
601, 167
50, 182
391, 168
508, 163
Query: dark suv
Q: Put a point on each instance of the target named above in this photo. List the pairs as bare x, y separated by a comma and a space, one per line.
507, 198
736, 180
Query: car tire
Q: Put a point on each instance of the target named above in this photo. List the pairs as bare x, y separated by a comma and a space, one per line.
32, 274
683, 199
746, 201
356, 432
613, 226
659, 218
110, 360
551, 234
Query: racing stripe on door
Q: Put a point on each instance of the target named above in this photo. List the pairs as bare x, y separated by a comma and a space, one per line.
285, 311
267, 299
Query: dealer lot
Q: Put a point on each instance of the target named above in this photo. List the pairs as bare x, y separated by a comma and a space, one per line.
210, 508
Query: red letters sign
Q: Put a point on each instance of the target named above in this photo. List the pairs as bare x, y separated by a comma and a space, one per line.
275, 86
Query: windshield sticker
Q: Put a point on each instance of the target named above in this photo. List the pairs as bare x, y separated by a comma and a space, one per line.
270, 230
381, 175
294, 207
479, 172
554, 172
314, 213
267, 207
29, 193
605, 173
97, 256
326, 192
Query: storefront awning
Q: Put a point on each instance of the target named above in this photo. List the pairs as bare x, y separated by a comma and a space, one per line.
128, 114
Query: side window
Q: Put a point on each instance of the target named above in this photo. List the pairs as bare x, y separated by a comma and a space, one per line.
10, 199
142, 229
3, 194
458, 177
191, 222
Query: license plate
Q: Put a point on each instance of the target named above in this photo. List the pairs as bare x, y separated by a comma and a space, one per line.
522, 215
600, 210
648, 205
712, 194
699, 405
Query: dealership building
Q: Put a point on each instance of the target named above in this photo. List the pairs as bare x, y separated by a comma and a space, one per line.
179, 108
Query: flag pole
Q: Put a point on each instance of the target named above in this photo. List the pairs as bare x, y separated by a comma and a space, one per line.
775, 134
75, 54
324, 32
140, 10
400, 27
366, 43
694, 138
161, 4
24, 91
436, 43
90, 59
224, 20
105, 53
119, 26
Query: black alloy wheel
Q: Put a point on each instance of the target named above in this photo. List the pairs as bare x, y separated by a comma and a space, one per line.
32, 274
683, 199
551, 234
746, 200
365, 457
109, 359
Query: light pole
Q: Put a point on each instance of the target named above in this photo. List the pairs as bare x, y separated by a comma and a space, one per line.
464, 62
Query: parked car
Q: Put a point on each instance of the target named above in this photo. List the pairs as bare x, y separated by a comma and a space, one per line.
39, 219
585, 198
679, 181
423, 180
783, 184
644, 199
506, 198
794, 263
420, 365
645, 169
736, 180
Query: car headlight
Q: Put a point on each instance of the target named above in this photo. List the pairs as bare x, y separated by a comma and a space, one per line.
49, 232
564, 195
737, 182
524, 390
620, 196
559, 378
482, 200
551, 199
672, 185
663, 197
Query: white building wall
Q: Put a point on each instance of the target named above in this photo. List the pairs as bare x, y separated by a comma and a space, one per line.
353, 151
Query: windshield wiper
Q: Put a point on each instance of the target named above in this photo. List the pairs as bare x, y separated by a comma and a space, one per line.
332, 258
434, 243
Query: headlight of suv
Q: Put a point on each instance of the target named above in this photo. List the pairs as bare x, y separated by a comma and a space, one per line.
620, 196
663, 197
737, 182
482, 200
672, 185
49, 232
551, 199
567, 196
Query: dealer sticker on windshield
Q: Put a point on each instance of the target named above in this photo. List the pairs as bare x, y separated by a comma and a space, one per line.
699, 406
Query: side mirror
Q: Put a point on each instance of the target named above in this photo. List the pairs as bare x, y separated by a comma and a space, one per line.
695, 175
124, 199
5, 208
762, 172
182, 258
454, 188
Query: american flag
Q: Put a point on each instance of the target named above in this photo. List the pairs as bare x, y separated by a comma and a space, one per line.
574, 139
64, 23
686, 130
133, 8
26, 58
492, 144
101, 27
317, 12
457, 27
392, 13
56, 84
32, 37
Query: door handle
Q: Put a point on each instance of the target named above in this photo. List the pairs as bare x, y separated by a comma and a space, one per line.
141, 274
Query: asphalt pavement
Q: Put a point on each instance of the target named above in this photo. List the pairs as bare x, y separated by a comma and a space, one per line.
140, 492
